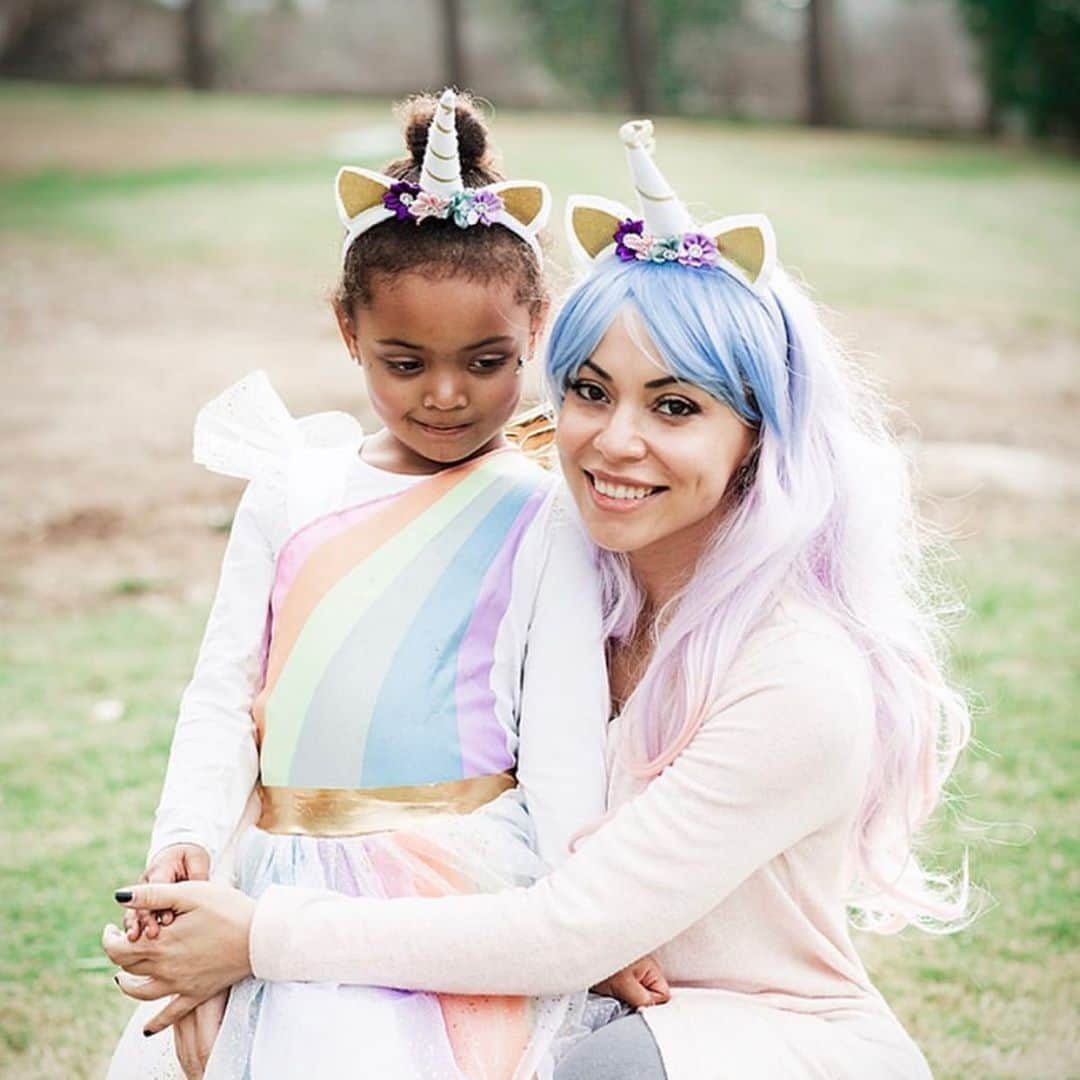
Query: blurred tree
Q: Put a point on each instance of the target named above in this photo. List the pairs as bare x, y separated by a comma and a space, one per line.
40, 36
453, 49
822, 97
198, 44
1031, 61
612, 49
639, 41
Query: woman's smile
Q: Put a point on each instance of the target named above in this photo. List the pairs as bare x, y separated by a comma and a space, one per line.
620, 495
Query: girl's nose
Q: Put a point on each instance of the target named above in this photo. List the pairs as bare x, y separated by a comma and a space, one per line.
620, 438
445, 391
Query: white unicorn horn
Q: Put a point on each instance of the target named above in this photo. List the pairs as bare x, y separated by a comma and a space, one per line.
664, 213
441, 174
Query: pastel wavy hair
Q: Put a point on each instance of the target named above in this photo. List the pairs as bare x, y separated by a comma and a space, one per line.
822, 510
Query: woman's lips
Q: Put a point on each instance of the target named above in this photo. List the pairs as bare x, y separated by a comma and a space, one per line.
620, 496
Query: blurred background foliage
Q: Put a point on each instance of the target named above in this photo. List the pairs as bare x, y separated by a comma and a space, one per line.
1031, 61
998, 66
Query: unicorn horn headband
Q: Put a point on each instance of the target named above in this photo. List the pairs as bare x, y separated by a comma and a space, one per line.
599, 228
366, 198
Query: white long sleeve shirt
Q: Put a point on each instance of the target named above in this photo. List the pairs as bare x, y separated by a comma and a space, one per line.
549, 676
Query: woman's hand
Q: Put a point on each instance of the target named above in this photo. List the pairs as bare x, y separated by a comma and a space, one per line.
203, 952
639, 984
195, 1033
177, 862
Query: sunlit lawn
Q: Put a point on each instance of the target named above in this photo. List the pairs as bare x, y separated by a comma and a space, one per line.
910, 227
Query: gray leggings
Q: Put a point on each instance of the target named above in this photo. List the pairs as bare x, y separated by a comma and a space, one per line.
621, 1050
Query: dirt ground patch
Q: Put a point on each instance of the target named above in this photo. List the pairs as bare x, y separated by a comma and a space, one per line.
98, 408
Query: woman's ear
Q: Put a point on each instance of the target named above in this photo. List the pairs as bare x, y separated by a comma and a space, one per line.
347, 329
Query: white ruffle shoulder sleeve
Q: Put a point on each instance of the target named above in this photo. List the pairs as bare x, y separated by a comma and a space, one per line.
295, 467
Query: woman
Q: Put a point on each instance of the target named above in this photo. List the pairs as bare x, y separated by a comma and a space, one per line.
782, 727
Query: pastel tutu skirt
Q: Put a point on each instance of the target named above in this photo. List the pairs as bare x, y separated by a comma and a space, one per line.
321, 1031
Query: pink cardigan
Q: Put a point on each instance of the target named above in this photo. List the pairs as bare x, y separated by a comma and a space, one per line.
731, 866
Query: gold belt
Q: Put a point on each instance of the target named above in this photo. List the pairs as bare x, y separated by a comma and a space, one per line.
349, 812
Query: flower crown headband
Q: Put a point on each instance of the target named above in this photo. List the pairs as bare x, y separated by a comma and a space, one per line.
599, 228
366, 198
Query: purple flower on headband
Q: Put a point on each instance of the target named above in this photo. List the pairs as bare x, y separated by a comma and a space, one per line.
486, 205
697, 249
400, 198
629, 227
474, 206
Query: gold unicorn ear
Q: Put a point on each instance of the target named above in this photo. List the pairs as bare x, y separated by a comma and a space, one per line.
528, 202
748, 241
591, 223
359, 190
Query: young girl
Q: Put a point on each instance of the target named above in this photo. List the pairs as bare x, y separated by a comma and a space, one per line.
412, 620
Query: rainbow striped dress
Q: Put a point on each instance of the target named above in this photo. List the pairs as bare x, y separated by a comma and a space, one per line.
386, 773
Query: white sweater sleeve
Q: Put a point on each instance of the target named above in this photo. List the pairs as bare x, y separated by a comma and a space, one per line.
564, 697
213, 763
770, 767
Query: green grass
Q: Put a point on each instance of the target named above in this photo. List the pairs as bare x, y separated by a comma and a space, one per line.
911, 229
927, 227
993, 1001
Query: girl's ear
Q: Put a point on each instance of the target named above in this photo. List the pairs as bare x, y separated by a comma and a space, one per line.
536, 326
347, 329
591, 223
359, 190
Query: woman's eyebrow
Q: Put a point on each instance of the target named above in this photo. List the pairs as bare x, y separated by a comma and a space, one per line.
598, 369
652, 384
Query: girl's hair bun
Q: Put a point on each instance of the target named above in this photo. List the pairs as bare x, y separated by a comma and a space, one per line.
478, 166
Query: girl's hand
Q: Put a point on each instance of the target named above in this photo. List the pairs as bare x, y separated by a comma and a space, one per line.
195, 1033
639, 984
203, 952
177, 862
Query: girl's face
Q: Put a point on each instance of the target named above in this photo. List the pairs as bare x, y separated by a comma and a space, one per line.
647, 457
442, 358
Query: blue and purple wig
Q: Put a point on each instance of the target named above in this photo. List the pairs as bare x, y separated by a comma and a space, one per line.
823, 514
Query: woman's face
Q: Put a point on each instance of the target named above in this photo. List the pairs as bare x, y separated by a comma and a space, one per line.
647, 457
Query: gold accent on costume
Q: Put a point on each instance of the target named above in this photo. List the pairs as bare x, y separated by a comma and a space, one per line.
523, 202
595, 229
359, 193
441, 179
533, 432
351, 812
745, 247
443, 157
654, 198
444, 130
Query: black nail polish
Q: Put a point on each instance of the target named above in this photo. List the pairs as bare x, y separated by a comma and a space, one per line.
123, 895
147, 1034
116, 979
